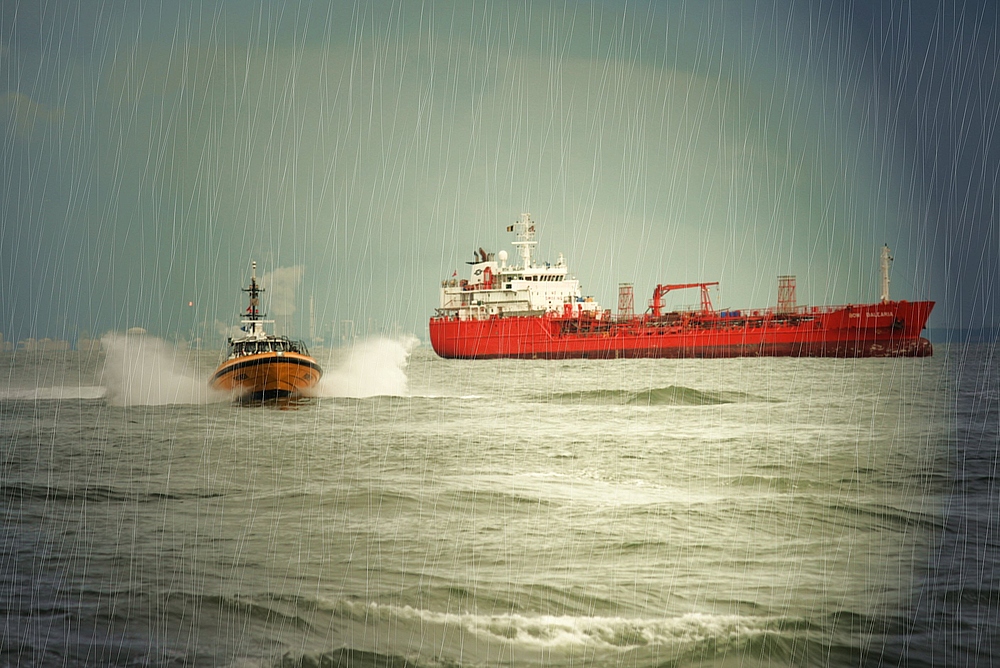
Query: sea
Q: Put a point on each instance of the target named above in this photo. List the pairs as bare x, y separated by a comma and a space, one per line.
429, 512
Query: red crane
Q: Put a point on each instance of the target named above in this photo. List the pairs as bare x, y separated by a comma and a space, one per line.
657, 303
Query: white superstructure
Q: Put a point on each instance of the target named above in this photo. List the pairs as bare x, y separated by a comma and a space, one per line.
496, 289
256, 340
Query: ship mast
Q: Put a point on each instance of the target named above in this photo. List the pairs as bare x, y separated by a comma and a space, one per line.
885, 264
253, 315
525, 229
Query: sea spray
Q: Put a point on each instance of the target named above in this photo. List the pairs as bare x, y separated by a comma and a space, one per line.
142, 370
53, 393
369, 368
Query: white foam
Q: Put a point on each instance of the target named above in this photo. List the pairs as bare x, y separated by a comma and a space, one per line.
142, 370
370, 368
568, 632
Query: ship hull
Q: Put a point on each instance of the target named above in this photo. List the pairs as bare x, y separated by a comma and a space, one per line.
267, 376
891, 329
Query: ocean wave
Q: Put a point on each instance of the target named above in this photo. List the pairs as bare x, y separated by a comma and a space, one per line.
27, 490
568, 631
886, 516
274, 610
683, 640
974, 594
494, 498
354, 658
670, 395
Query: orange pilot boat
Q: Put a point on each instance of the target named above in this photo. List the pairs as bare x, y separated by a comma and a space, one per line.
261, 366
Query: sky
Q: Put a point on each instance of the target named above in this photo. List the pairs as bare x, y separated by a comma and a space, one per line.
360, 152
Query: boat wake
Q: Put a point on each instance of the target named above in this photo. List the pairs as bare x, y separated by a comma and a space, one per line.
370, 368
142, 370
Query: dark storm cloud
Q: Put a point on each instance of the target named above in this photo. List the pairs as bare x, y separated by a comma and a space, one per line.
151, 151
934, 74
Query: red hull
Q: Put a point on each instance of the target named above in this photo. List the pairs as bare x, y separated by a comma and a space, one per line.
890, 329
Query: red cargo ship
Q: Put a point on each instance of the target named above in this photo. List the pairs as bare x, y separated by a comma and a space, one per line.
531, 310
